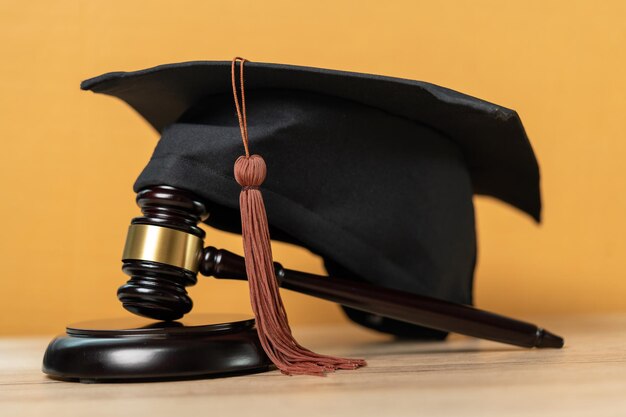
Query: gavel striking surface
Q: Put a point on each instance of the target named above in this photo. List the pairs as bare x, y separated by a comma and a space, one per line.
139, 349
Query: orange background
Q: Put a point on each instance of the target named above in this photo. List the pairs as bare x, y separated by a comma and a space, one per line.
69, 158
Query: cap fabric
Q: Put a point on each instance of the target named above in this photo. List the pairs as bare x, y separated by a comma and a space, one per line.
375, 174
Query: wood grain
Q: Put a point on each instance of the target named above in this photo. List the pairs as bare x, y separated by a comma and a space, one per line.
460, 377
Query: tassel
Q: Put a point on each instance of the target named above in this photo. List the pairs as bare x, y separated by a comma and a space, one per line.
271, 318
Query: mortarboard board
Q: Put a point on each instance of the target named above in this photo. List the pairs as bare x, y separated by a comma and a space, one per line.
375, 174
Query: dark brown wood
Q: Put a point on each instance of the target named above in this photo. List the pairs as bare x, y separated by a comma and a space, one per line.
407, 307
134, 348
157, 290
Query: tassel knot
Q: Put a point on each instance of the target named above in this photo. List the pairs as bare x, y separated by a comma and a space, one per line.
250, 171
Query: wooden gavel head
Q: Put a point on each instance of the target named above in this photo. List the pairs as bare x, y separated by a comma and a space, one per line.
164, 252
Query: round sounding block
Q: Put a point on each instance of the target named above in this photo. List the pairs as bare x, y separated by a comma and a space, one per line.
136, 348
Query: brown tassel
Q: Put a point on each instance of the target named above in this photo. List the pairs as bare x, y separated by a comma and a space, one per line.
271, 318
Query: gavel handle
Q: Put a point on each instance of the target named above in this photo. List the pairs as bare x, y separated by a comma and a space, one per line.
411, 308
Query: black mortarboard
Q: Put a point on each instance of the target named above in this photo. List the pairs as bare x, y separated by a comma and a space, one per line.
375, 174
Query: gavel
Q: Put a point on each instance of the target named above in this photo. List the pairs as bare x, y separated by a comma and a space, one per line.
165, 251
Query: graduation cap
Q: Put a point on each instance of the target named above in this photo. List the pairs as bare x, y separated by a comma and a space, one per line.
374, 174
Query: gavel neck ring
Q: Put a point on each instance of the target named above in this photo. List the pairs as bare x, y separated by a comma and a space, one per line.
164, 245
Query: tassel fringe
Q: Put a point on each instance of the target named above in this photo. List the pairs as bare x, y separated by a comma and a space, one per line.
273, 327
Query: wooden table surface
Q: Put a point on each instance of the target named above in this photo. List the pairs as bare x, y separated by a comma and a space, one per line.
460, 377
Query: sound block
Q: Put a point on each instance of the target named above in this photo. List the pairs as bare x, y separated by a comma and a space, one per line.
139, 349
